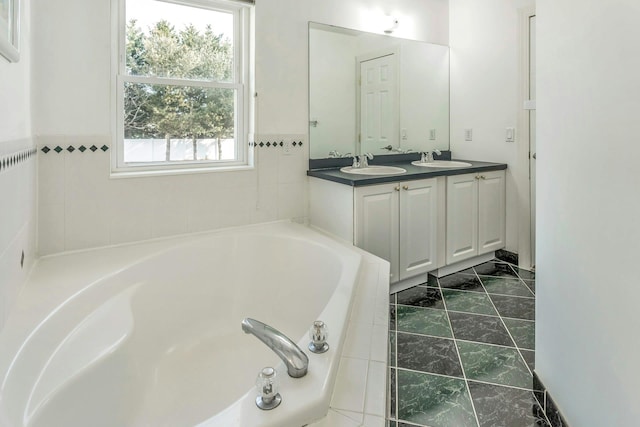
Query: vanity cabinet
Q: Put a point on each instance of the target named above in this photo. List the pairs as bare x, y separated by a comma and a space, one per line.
475, 215
399, 222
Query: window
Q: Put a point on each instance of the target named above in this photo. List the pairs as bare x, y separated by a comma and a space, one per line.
181, 85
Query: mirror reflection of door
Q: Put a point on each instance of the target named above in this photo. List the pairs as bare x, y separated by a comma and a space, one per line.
378, 104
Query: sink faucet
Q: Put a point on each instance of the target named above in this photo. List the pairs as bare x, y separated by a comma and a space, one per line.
427, 156
296, 361
364, 160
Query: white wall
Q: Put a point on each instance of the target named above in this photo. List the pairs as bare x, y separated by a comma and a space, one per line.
17, 182
81, 207
589, 209
484, 89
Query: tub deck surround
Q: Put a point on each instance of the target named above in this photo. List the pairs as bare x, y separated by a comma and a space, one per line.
413, 172
113, 337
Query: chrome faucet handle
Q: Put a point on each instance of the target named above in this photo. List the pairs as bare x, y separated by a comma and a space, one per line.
364, 159
438, 152
319, 335
267, 385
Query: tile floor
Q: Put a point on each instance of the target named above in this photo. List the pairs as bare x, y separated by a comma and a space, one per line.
462, 350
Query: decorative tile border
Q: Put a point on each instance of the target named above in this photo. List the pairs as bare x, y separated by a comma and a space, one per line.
274, 144
548, 405
10, 160
58, 149
508, 256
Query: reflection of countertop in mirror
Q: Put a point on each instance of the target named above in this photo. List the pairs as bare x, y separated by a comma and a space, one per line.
413, 172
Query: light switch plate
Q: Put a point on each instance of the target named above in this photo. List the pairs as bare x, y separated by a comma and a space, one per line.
468, 134
510, 134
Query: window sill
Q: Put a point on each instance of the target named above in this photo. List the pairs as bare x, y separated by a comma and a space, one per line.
120, 174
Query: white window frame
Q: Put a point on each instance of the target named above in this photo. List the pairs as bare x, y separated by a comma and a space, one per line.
240, 83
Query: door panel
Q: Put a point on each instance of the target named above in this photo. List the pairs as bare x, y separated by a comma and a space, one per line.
418, 227
377, 223
462, 217
491, 211
378, 103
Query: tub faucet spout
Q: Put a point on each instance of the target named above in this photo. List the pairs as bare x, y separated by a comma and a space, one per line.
296, 361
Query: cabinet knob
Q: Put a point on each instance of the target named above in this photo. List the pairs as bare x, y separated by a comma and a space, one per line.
397, 188
405, 187
477, 177
483, 177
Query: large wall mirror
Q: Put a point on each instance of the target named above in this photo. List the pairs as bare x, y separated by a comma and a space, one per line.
370, 93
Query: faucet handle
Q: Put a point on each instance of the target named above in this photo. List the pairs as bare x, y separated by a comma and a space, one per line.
319, 335
268, 384
356, 163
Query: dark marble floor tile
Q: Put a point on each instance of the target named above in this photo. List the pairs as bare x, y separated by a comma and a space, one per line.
531, 284
421, 320
523, 332
554, 415
507, 256
539, 390
473, 327
530, 358
492, 268
515, 307
463, 282
505, 406
468, 302
505, 286
392, 317
433, 400
428, 354
393, 361
393, 393
493, 364
525, 274
421, 297
432, 282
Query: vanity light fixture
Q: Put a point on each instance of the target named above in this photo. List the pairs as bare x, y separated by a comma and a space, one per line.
390, 24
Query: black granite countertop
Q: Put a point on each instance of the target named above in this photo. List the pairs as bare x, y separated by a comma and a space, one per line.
413, 172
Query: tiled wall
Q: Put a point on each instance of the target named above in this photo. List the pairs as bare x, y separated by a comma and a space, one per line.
17, 219
80, 206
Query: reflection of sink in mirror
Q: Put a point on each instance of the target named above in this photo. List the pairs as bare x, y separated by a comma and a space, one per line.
341, 112
441, 164
374, 170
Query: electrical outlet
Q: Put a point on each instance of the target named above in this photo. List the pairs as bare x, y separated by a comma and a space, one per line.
286, 146
468, 134
432, 134
403, 134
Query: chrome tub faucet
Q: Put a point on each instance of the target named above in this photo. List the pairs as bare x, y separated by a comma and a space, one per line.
295, 359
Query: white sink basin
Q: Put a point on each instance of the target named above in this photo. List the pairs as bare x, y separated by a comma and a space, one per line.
442, 164
374, 170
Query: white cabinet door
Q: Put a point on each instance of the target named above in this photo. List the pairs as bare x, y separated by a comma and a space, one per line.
462, 217
491, 211
418, 227
376, 222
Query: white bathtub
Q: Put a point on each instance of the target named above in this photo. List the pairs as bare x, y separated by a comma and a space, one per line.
150, 335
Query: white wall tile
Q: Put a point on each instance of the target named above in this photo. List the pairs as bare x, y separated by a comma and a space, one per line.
87, 223
379, 343
51, 228
376, 396
292, 200
358, 340
373, 421
349, 390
